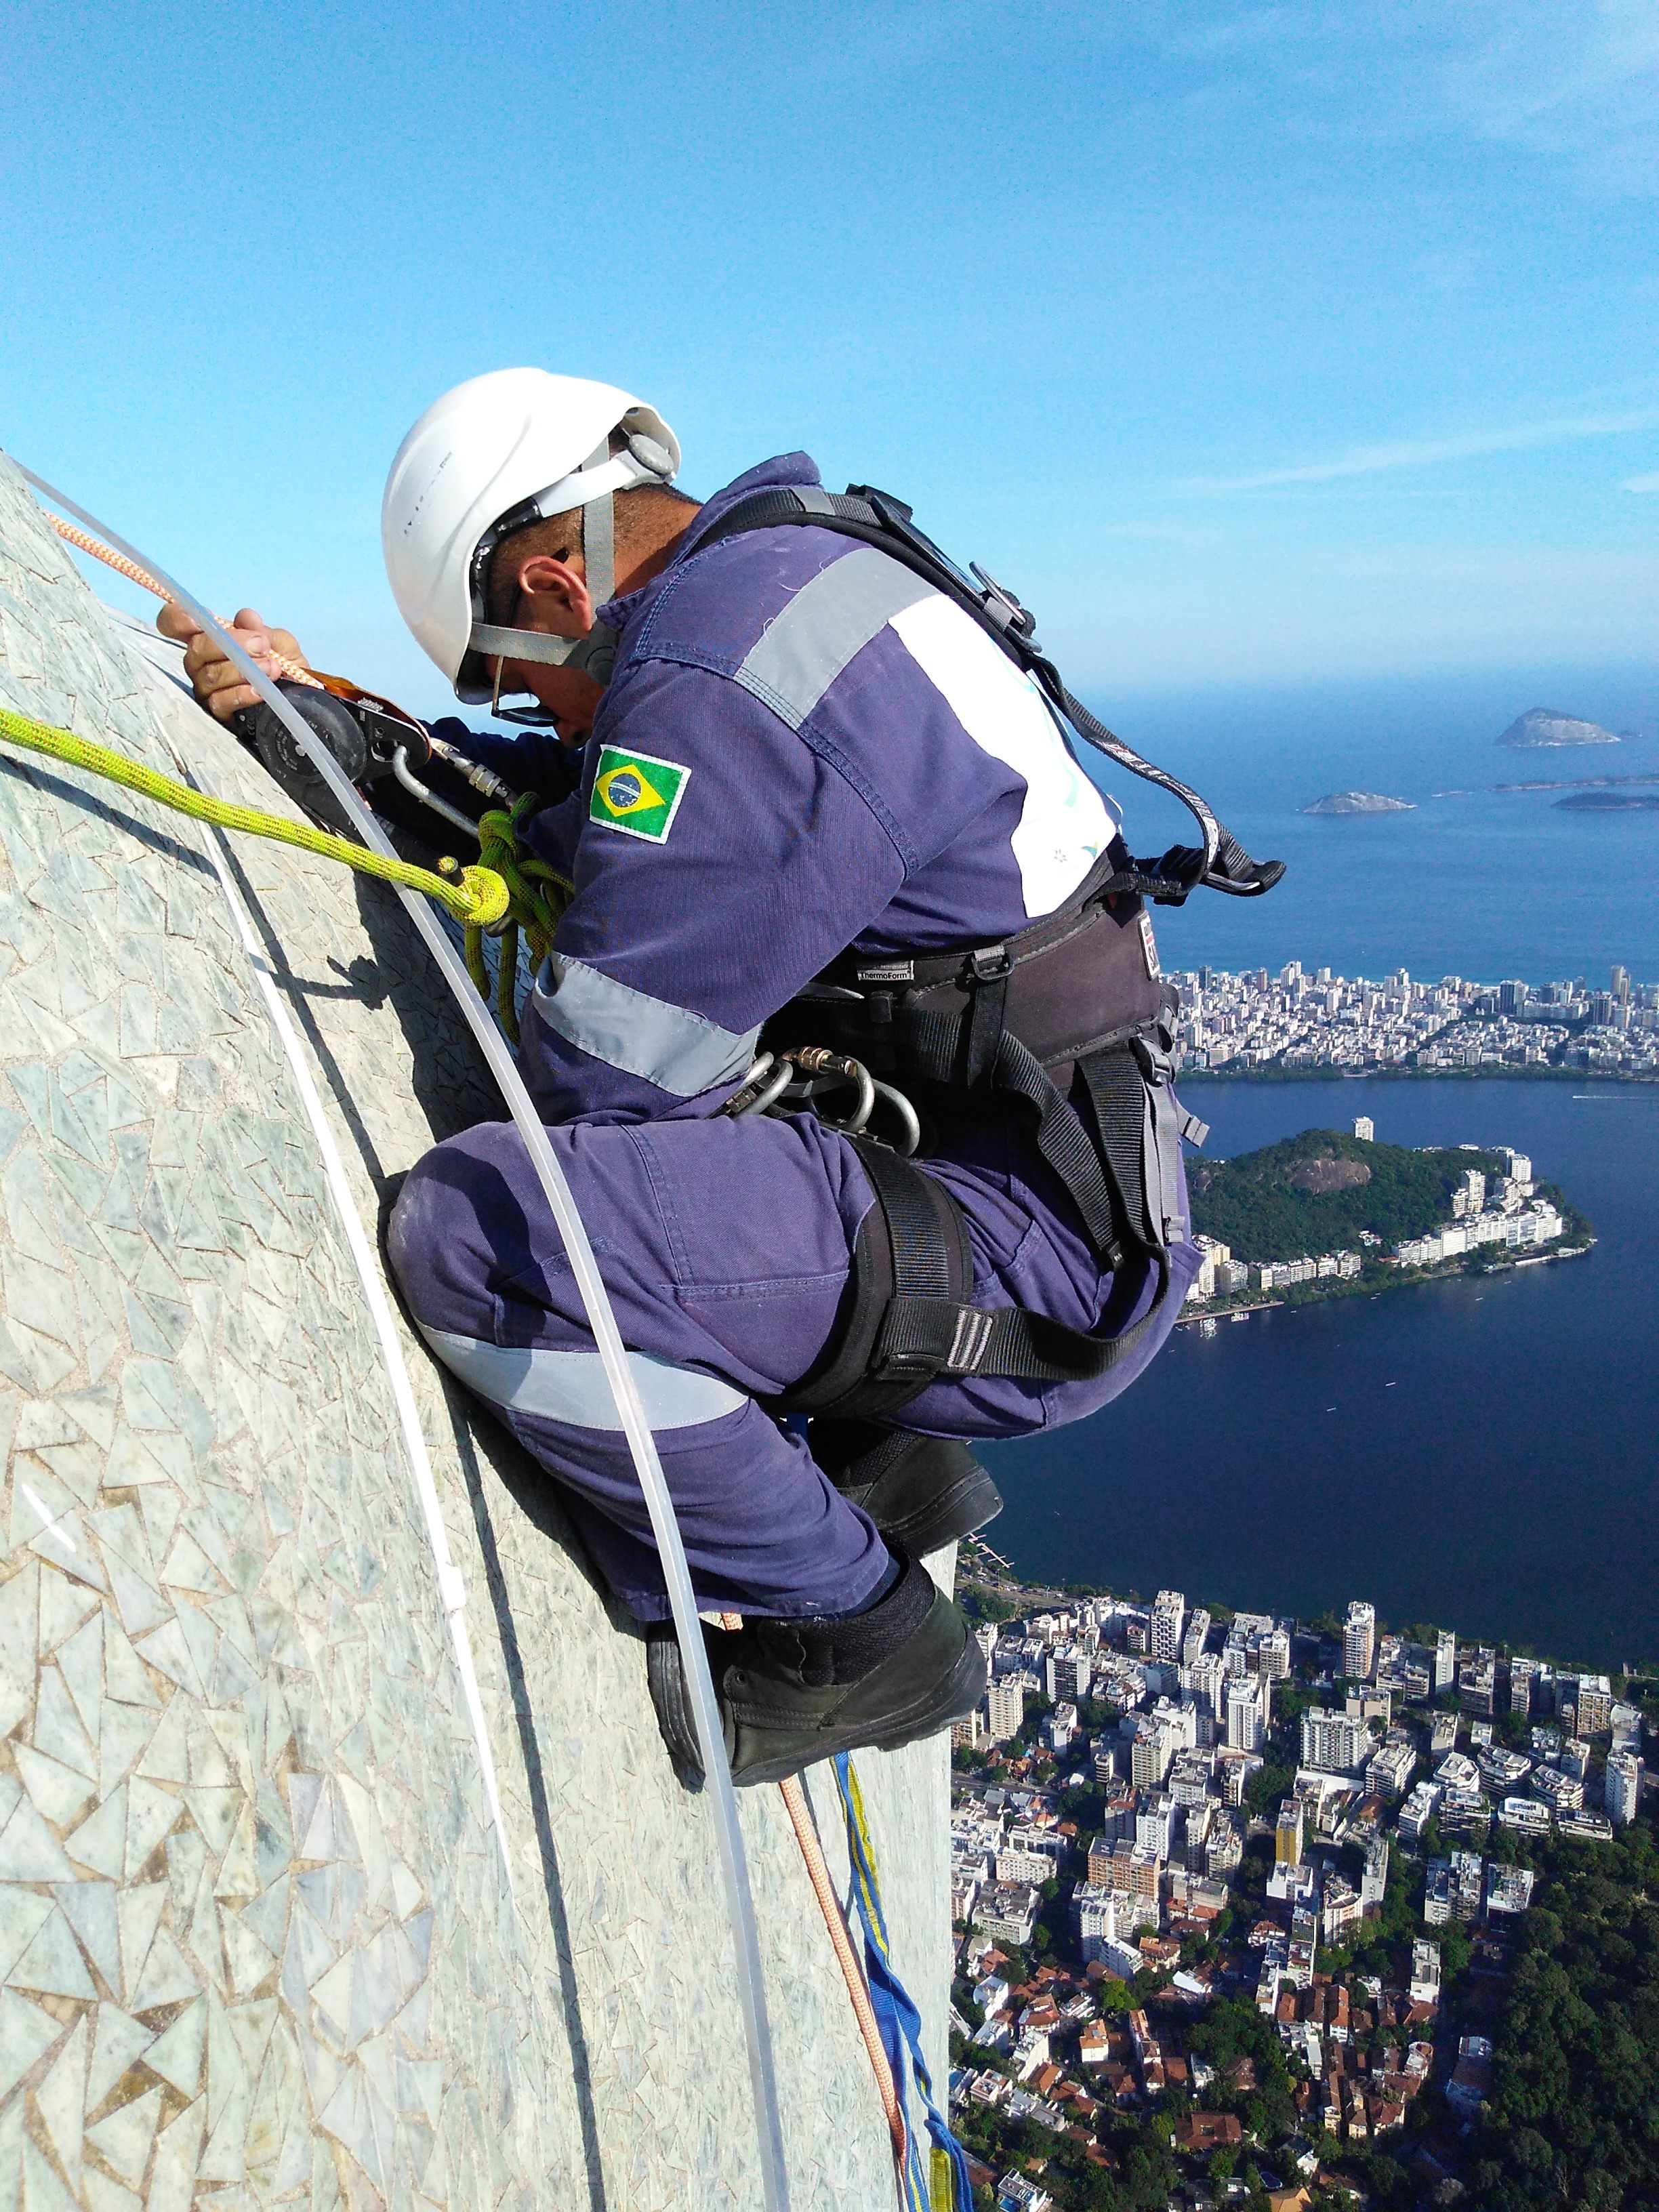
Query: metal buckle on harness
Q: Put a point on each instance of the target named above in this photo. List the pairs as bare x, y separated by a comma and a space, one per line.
1004, 608
989, 963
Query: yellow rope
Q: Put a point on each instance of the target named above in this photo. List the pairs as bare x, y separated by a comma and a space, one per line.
476, 896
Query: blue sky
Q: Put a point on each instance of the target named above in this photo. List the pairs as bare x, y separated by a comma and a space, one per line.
1251, 342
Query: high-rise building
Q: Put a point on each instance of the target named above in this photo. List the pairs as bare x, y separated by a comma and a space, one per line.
1359, 1641
1154, 1825
1151, 1754
1272, 1655
1334, 1743
1522, 1673
1445, 1660
1593, 1706
1168, 1616
1287, 1833
1192, 1644
1247, 1712
1621, 1793
1067, 1674
1374, 1882
1004, 1711
1364, 1128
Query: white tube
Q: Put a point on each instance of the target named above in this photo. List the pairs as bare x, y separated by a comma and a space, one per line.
607, 1339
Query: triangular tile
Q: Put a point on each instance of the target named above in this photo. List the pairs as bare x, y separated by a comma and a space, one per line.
214, 1812
20, 1615
142, 1606
249, 1961
23, 1913
138, 1914
165, 1651
57, 1728
178, 2156
167, 1977
167, 1759
80, 1656
100, 1841
28, 1850
188, 1567
89, 1908
42, 2191
239, 1869
53, 1963
63, 1606
176, 2055
125, 1676
123, 2140
57, 1792
61, 2098
122, 1737
26, 2033
103, 2195
151, 1813
117, 2044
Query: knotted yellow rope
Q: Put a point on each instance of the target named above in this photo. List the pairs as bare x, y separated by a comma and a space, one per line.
536, 897
475, 896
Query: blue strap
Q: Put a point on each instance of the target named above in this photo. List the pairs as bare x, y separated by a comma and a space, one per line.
898, 2020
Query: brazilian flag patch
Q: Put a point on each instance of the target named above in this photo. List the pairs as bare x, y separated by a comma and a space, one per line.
637, 793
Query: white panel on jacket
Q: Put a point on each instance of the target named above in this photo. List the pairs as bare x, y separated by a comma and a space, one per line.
1065, 825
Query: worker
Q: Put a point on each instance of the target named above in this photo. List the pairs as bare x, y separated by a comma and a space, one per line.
778, 754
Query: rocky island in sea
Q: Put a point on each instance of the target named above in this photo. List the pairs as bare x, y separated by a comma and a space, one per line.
1611, 802
1359, 802
1542, 726
1323, 1214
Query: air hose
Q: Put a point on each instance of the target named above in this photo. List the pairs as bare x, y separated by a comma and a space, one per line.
607, 1338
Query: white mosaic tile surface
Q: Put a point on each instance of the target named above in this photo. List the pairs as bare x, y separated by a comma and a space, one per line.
257, 1947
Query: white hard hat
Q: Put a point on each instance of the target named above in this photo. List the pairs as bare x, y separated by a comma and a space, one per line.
490, 457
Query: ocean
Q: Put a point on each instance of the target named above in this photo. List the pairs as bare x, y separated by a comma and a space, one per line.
1483, 1454
1474, 883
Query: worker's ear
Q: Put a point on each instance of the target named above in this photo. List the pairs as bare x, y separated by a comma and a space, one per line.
557, 594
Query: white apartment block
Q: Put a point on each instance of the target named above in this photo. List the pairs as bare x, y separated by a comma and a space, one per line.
1168, 1618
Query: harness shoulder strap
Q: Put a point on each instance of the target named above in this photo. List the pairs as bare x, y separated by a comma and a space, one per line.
1221, 863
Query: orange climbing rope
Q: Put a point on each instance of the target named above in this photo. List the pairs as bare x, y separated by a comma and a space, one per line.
818, 1873
86, 544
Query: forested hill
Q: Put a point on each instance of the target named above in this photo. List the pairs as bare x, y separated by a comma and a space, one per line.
1315, 1192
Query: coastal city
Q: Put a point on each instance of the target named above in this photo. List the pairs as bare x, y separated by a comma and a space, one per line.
1251, 1022
1237, 1899
1488, 1215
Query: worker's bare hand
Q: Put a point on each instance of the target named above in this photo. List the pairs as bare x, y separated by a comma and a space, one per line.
218, 682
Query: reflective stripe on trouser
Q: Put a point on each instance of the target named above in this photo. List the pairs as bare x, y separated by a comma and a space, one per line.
725, 1246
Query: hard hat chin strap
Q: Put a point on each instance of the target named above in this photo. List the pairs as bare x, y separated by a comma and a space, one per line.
592, 487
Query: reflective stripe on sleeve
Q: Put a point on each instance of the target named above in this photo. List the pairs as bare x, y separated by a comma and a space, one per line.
826, 624
571, 1386
681, 1052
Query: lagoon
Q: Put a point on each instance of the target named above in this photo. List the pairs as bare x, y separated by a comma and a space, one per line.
1482, 1453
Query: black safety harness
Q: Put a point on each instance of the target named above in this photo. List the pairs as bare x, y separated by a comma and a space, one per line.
1070, 1017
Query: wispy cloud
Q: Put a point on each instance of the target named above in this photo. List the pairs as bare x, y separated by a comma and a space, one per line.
1427, 453
1641, 483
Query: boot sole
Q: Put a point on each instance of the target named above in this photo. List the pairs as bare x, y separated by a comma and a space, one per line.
968, 1504
928, 1715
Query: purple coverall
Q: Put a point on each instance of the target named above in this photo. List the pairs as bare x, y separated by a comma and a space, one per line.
804, 747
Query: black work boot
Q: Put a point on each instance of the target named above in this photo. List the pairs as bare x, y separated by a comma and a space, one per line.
921, 1492
794, 1691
